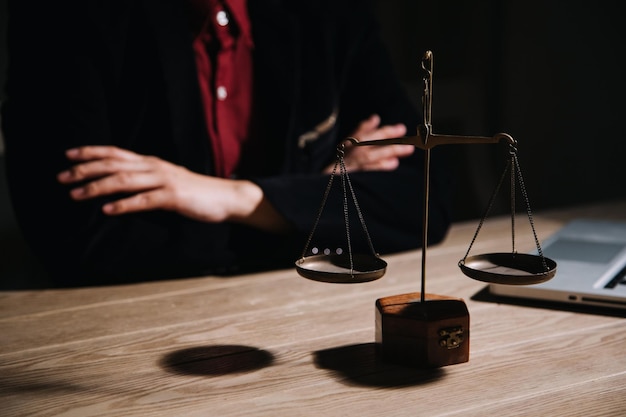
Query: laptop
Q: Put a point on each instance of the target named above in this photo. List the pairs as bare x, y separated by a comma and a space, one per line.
591, 266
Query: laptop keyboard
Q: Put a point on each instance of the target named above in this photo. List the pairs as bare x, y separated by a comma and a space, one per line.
619, 280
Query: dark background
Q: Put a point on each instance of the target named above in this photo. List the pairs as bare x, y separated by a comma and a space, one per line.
548, 73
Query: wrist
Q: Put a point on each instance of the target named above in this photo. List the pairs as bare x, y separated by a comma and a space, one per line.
245, 199
253, 209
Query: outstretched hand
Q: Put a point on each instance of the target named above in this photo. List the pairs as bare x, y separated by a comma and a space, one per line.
374, 158
149, 183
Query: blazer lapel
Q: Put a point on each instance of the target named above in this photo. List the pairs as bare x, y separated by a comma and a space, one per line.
277, 70
168, 21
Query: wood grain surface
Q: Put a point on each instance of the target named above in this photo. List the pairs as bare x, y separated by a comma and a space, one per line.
276, 344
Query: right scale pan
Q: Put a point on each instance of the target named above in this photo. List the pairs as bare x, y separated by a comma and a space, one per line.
508, 268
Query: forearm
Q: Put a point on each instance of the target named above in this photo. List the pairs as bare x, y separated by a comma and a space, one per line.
140, 183
250, 207
391, 203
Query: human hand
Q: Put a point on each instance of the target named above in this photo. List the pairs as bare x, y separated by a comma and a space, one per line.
150, 183
374, 158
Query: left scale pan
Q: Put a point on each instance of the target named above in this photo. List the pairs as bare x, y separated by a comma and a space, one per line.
346, 267
341, 269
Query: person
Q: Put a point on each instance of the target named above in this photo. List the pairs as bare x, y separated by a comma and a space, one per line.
164, 139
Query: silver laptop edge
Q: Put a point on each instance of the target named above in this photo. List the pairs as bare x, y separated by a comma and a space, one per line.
591, 266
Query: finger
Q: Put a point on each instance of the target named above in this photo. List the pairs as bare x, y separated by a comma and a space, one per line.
85, 153
122, 182
388, 164
377, 157
373, 154
391, 131
370, 123
145, 201
367, 125
99, 168
384, 132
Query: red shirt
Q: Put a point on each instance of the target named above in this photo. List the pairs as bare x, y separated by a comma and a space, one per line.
223, 49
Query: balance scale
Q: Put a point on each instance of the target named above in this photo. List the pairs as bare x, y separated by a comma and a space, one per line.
420, 329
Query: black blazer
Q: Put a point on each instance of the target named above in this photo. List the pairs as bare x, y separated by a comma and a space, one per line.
122, 72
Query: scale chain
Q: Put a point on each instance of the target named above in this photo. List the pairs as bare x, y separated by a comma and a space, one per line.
513, 165
358, 211
513, 171
346, 185
487, 210
528, 211
322, 205
346, 219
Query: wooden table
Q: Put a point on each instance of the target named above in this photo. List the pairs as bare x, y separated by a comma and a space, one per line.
276, 344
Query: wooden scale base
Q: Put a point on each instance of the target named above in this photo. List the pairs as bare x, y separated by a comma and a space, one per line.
427, 334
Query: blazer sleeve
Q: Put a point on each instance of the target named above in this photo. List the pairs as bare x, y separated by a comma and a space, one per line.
55, 100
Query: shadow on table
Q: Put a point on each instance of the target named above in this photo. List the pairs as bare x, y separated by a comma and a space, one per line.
485, 296
359, 365
216, 360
